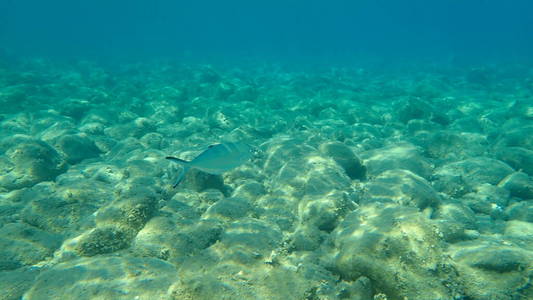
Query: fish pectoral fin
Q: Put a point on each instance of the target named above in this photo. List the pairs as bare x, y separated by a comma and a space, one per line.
184, 164
179, 179
181, 176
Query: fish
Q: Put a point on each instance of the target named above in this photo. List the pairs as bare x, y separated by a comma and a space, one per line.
216, 159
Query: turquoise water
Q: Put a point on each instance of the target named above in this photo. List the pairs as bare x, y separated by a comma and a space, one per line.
391, 151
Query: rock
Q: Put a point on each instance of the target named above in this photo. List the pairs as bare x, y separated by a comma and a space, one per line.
491, 270
249, 189
180, 209
9, 212
106, 173
455, 221
416, 127
229, 209
517, 157
278, 210
469, 123
523, 108
204, 233
323, 179
297, 169
307, 238
190, 203
75, 108
15, 124
14, 283
14, 98
281, 151
143, 126
488, 199
203, 287
210, 196
220, 120
344, 156
516, 137
444, 144
104, 144
51, 128
453, 232
402, 156
130, 210
63, 209
118, 222
166, 239
460, 177
487, 224
522, 211
24, 245
200, 181
234, 280
498, 260
325, 211
322, 283
77, 147
101, 240
165, 93
414, 108
247, 240
153, 140
359, 134
402, 187
519, 185
28, 162
12, 204
456, 212
106, 278
395, 246
93, 128
283, 218
286, 164
119, 131
453, 185
360, 289
132, 126
521, 233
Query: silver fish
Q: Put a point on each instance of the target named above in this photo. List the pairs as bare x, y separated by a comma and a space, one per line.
216, 159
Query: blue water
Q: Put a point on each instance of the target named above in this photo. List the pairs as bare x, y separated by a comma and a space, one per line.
277, 30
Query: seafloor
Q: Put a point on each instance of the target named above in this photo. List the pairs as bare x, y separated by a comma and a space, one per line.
370, 183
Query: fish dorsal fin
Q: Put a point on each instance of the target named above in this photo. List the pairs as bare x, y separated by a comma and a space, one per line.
211, 146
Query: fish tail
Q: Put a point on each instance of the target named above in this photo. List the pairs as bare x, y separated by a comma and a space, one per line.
177, 160
184, 164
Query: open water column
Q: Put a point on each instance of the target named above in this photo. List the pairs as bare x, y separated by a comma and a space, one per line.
362, 150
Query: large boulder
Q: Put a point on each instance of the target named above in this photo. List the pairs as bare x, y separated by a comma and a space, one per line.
401, 156
344, 156
105, 278
459, 178
25, 245
519, 184
77, 147
397, 248
402, 187
28, 161
517, 157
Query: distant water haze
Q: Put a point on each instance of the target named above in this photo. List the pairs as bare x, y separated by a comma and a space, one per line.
276, 30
